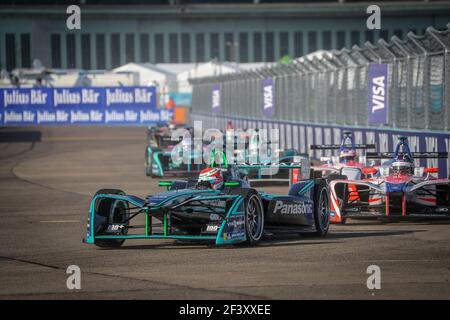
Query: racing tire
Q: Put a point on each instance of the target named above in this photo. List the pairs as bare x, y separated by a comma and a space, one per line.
113, 211
321, 208
148, 166
254, 217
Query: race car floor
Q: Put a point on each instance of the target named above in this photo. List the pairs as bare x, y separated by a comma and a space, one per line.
45, 190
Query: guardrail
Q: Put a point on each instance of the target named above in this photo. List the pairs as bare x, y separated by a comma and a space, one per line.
312, 100
333, 89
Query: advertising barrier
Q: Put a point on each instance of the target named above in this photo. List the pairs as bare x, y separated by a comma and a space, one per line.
81, 105
377, 93
268, 93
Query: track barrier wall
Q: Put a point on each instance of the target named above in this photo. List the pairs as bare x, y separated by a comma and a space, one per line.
379, 91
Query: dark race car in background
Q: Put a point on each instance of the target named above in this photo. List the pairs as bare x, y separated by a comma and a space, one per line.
245, 150
160, 148
347, 156
396, 189
268, 154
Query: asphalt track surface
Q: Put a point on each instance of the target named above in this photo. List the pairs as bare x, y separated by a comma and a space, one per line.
45, 190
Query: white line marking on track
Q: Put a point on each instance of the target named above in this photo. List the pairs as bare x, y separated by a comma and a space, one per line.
81, 139
402, 260
59, 221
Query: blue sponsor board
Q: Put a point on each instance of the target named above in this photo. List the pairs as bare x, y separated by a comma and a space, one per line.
81, 105
377, 93
268, 93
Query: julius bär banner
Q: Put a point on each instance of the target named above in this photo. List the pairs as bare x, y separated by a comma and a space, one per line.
81, 105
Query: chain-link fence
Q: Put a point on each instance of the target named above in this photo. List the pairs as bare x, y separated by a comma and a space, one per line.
332, 88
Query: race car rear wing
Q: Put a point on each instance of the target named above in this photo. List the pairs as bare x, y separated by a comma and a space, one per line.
338, 146
269, 172
415, 155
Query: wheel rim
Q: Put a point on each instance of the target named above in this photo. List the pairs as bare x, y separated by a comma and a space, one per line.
254, 218
324, 210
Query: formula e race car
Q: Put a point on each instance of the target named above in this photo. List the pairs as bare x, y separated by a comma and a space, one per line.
245, 149
161, 146
347, 157
228, 212
394, 190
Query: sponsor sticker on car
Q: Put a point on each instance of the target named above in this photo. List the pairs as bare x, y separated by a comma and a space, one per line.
212, 228
282, 207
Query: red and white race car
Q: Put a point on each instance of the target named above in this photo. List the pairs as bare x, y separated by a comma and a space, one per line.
348, 156
397, 189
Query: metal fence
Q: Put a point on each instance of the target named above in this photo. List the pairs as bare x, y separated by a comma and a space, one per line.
332, 89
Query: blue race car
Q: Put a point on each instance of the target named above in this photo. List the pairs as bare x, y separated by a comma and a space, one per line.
159, 150
222, 210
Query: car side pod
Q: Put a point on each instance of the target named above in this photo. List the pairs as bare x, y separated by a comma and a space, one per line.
232, 230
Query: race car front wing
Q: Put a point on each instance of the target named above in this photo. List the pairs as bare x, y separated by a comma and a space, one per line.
216, 218
360, 199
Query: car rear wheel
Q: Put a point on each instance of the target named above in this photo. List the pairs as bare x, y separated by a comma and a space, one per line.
113, 212
321, 208
148, 164
254, 218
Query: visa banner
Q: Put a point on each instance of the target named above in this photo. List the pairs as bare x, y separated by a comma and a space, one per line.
81, 105
377, 94
268, 93
215, 94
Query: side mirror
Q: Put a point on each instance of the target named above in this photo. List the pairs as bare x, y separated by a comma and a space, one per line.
166, 184
431, 170
369, 170
232, 184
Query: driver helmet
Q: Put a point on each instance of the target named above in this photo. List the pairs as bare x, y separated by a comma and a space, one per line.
213, 176
347, 155
402, 167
